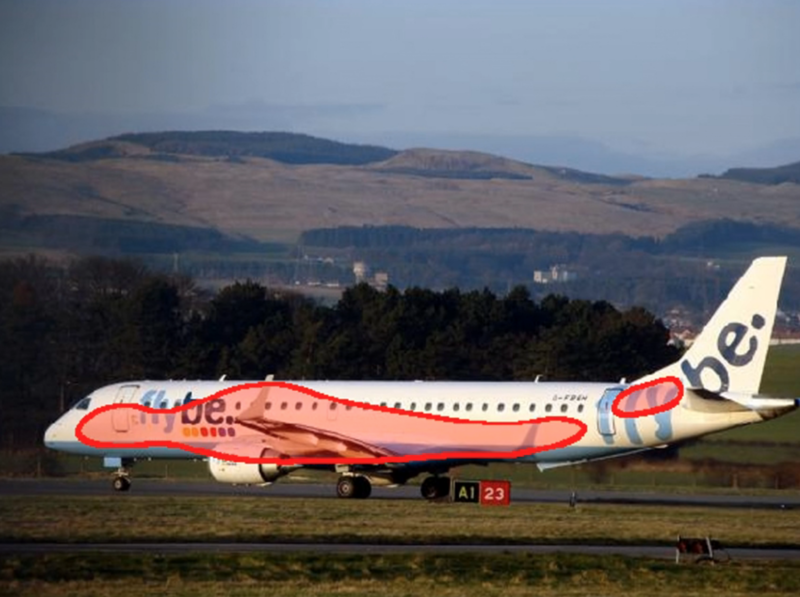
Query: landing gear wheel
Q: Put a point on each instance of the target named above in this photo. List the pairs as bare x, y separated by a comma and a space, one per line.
350, 486
346, 487
434, 488
363, 488
121, 484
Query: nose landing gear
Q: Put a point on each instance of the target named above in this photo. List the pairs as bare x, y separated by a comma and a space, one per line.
121, 480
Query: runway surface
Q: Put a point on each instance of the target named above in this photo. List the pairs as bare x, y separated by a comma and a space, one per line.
94, 487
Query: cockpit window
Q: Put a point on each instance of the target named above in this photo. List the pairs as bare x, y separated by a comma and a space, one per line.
83, 404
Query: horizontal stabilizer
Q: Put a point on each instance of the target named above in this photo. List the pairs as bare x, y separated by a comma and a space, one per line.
757, 403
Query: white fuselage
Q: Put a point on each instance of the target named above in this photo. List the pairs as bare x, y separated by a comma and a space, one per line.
607, 435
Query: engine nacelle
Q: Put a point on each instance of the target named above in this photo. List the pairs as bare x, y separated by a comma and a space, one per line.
248, 473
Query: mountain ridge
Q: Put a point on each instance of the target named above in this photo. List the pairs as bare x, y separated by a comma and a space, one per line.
212, 182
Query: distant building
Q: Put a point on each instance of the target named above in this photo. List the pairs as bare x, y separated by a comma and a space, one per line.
556, 274
360, 271
381, 281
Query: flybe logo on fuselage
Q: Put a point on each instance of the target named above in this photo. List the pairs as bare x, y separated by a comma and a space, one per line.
731, 353
205, 419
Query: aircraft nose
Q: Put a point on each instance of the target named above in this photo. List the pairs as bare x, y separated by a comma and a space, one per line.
51, 435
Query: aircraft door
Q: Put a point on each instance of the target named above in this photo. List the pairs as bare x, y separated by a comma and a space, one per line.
120, 416
605, 418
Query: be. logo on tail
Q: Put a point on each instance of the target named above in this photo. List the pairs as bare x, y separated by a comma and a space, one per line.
729, 346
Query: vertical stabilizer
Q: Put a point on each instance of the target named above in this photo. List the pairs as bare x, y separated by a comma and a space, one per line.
729, 354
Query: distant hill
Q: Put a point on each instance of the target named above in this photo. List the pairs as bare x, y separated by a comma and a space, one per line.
288, 148
120, 236
467, 165
270, 187
473, 165
772, 176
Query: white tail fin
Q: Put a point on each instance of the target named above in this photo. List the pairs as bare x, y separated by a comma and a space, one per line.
729, 354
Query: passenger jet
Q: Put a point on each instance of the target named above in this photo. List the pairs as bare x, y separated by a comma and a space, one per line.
386, 433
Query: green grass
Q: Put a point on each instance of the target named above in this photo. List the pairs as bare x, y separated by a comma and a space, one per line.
742, 452
391, 575
124, 518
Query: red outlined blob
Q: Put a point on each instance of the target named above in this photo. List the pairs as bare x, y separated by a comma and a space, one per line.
280, 422
650, 398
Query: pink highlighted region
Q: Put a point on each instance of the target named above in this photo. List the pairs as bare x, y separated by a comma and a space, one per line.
649, 398
282, 423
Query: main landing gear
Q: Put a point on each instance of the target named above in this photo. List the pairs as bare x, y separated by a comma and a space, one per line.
434, 488
353, 486
358, 487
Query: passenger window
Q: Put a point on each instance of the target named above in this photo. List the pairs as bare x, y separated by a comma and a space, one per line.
548, 408
516, 408
469, 406
580, 408
532, 407
501, 407
440, 406
333, 406
485, 407
428, 406
284, 405
455, 406
268, 406
564, 408
397, 405
298, 406
314, 405
383, 404
413, 406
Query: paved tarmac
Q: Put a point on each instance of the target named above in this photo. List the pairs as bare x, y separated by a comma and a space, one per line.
96, 487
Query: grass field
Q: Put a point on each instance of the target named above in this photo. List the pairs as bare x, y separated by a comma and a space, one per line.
126, 518
391, 575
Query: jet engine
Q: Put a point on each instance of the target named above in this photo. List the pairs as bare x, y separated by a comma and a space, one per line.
248, 473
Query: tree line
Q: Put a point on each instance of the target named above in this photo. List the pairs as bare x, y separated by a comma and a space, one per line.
68, 329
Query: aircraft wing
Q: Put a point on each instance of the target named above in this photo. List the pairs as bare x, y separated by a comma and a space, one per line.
302, 441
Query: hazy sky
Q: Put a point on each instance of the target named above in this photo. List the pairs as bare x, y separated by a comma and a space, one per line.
679, 76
